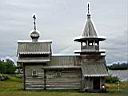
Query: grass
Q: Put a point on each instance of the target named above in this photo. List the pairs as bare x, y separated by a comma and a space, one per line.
13, 87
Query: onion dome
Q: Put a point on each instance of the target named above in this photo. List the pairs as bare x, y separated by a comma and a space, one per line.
34, 34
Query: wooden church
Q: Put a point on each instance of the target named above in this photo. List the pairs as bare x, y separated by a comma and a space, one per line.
85, 70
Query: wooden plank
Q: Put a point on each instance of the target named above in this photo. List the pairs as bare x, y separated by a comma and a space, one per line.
24, 76
65, 79
44, 79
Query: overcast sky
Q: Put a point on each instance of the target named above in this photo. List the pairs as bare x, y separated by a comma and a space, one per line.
61, 21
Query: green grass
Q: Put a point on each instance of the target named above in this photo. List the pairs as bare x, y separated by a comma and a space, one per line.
13, 87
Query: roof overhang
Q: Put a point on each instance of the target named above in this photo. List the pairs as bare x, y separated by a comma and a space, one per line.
62, 67
30, 41
82, 38
33, 61
61, 55
89, 51
95, 75
33, 53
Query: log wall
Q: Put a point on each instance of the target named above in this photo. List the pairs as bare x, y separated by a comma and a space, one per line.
52, 78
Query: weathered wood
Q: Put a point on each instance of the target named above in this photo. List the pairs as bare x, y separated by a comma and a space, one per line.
63, 78
24, 77
52, 78
45, 80
42, 70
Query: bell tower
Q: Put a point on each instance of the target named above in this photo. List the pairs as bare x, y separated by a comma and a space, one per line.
89, 39
92, 59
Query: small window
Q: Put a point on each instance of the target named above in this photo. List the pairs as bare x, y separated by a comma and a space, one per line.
83, 44
34, 73
59, 74
96, 44
90, 43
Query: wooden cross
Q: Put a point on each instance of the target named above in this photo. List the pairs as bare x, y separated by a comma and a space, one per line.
34, 17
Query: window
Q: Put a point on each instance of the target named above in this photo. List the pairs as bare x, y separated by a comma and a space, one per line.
83, 44
90, 44
34, 73
96, 44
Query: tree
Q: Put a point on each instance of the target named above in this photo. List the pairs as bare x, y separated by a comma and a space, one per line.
118, 66
7, 67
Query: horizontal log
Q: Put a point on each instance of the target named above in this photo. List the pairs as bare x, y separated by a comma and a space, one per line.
52, 86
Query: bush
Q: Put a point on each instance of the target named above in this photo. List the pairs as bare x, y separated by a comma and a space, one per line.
111, 79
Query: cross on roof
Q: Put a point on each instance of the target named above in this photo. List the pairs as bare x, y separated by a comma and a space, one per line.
88, 8
34, 17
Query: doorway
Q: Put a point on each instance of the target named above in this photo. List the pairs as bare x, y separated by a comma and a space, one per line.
96, 83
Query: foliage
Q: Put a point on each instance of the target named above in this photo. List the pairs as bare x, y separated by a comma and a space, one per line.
111, 79
118, 66
7, 67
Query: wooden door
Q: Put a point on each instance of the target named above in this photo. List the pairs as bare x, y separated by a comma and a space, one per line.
96, 83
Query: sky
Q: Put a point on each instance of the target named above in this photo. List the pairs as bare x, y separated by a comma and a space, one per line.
61, 21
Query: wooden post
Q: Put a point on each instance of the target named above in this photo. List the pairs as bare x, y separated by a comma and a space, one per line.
44, 79
24, 77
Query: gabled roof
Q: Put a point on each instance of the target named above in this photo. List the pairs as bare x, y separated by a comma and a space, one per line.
34, 47
33, 60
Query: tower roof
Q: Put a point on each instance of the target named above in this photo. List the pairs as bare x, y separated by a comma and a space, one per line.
89, 31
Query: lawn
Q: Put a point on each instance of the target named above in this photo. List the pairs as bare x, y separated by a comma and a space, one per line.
13, 87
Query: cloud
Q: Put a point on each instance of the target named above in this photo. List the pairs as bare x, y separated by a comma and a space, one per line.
61, 21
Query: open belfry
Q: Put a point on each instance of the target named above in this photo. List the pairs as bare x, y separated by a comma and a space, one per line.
85, 70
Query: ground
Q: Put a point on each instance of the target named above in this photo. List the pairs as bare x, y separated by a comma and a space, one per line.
13, 87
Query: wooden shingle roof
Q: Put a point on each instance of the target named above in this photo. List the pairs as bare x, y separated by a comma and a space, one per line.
94, 70
34, 47
89, 32
65, 60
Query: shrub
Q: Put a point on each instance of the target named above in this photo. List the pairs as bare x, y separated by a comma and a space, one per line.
112, 79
